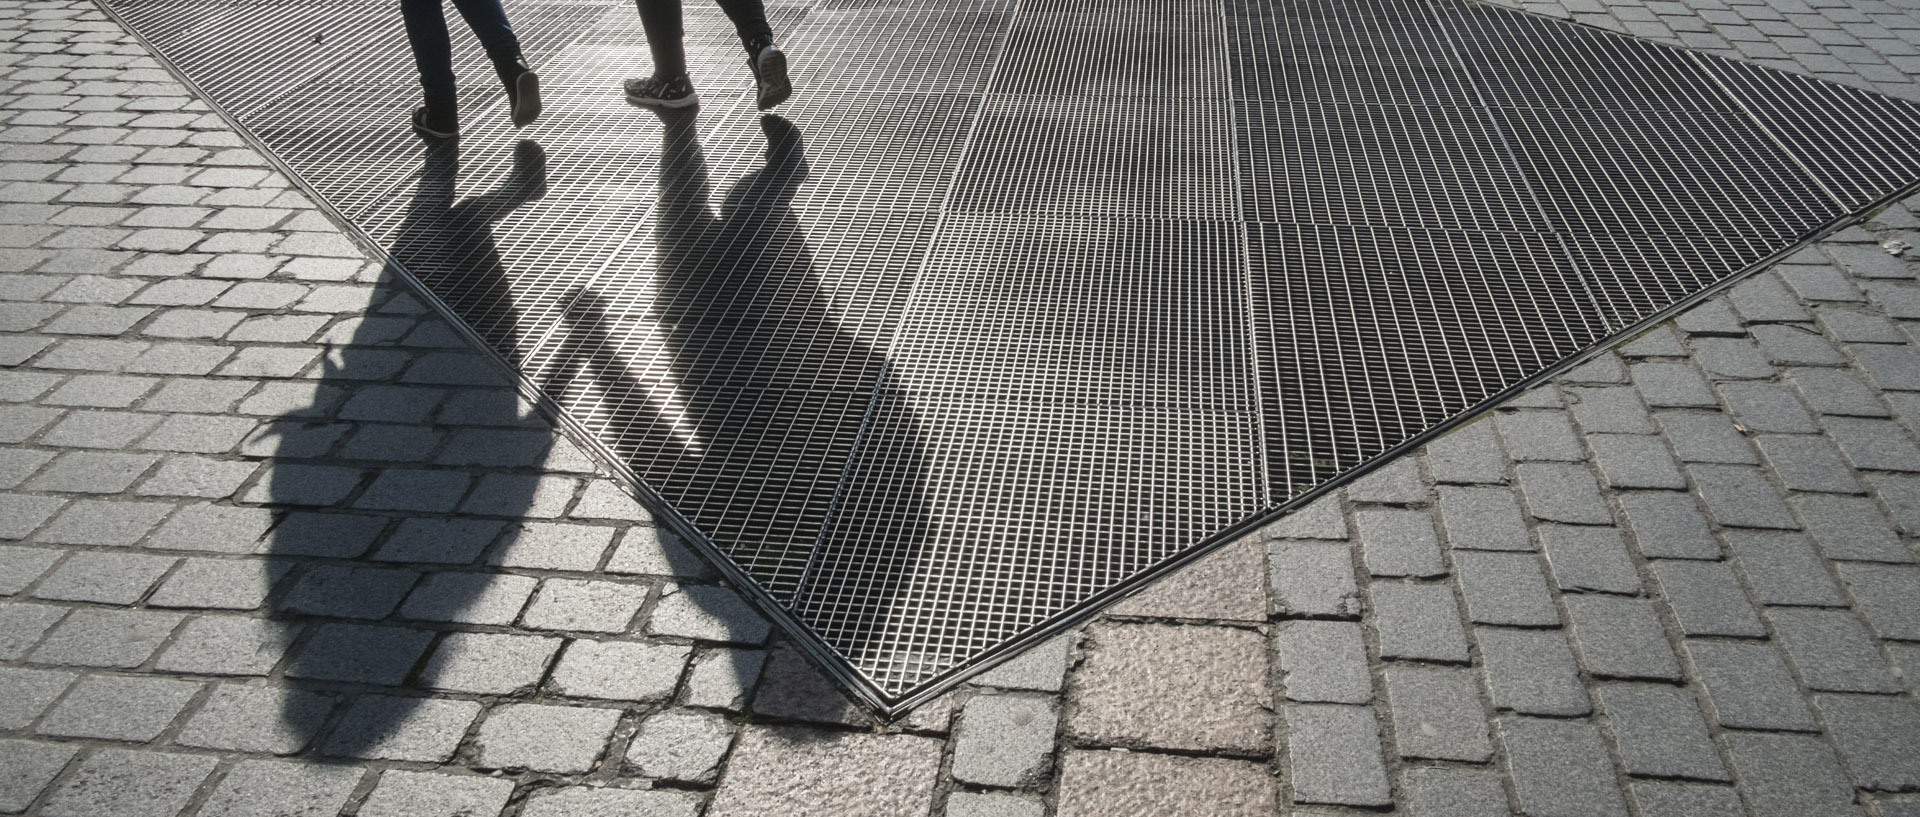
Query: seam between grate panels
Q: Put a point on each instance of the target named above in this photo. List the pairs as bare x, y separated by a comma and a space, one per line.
1720, 85
1250, 333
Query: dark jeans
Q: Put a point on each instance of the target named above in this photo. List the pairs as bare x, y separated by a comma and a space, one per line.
661, 19
433, 49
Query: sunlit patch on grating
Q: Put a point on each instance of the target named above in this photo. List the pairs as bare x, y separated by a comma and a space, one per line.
1016, 303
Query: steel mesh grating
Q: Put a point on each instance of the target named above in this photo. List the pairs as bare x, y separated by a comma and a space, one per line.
1016, 302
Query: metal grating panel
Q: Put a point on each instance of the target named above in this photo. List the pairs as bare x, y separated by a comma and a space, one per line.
1018, 303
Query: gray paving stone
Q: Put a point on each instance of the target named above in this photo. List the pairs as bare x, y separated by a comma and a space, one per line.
1748, 686
228, 645
619, 670
1790, 776
1482, 519
1885, 595
1672, 385
1794, 345
1505, 588
20, 566
648, 551
1706, 599
810, 772
1764, 298
380, 727
100, 391
1767, 408
1224, 669
1227, 585
1731, 358
587, 801
1313, 579
118, 708
1005, 741
110, 523
602, 499
92, 472
1531, 672
1783, 568
1635, 461
401, 793
1539, 435
1710, 438
98, 429
29, 693
1878, 737
722, 678
706, 613
18, 464
1891, 367
26, 767
1851, 528
129, 783
1852, 325
415, 490
488, 663
104, 578
1681, 800
1394, 483
1837, 392
1604, 368
1741, 497
200, 477
1324, 662
1589, 559
1660, 732
686, 746
588, 606
1562, 493
1610, 410
1867, 262
1874, 444
282, 789
968, 804
22, 625
297, 484
440, 541
1659, 341
359, 653
469, 598
19, 423
120, 639
1560, 769
260, 720
560, 739
1418, 621
792, 688
1437, 714
531, 496
348, 591
21, 515
1621, 638
1468, 454
1808, 463
1333, 756
1832, 651
1901, 495
1445, 792
1399, 543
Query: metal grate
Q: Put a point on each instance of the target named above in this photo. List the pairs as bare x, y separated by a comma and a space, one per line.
1017, 304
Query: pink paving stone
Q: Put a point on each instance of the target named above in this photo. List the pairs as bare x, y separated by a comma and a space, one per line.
1229, 584
1207, 685
793, 772
1109, 784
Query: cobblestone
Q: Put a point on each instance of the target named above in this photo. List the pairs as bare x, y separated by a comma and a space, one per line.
1748, 686
402, 793
1418, 621
1505, 588
1334, 756
1324, 661
128, 783
282, 788
1004, 740
256, 720
1560, 768
1789, 776
544, 738
1660, 732
1832, 651
1531, 672
1226, 669
118, 708
1621, 638
1437, 714
807, 772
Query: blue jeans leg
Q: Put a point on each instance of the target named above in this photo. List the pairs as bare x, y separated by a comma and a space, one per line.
426, 23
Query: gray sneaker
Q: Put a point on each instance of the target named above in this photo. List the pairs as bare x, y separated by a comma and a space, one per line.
662, 92
770, 76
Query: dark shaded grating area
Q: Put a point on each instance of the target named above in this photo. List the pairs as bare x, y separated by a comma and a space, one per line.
1019, 302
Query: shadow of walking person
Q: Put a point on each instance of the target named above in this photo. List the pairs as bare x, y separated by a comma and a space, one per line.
745, 397
410, 465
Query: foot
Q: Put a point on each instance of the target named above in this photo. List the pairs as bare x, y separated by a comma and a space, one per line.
662, 92
769, 65
435, 124
523, 90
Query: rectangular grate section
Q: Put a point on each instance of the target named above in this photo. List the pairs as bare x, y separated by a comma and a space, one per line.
1337, 51
1086, 312
968, 520
1861, 146
1635, 276
1152, 48
896, 50
1642, 172
1106, 157
1368, 337
1378, 165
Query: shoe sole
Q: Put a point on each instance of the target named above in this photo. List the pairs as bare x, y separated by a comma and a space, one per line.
770, 73
526, 107
687, 101
430, 133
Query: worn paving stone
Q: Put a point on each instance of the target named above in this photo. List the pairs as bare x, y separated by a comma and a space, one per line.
469, 598
1466, 455
1660, 732
792, 688
1683, 800
1790, 776
1669, 526
263, 720
1741, 497
706, 613
402, 793
1437, 714
1042, 668
1419, 622
1225, 586
1748, 686
1223, 669
228, 645
1589, 558
488, 663
1505, 588
384, 727
1333, 755
722, 678
1878, 737
1710, 438
283, 789
26, 767
1324, 662
969, 804
1621, 638
104, 578
587, 606
1399, 543
1531, 672
685, 746
1635, 461
118, 708
1099, 783
1888, 596
586, 801
1005, 741
1851, 528
1706, 599
1313, 579
561, 739
1832, 651
129, 783
1783, 568
809, 773
1560, 768
619, 670
30, 692
1562, 493
120, 639
1807, 463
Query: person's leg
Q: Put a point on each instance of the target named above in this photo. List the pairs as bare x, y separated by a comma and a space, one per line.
433, 56
665, 32
489, 23
768, 62
750, 22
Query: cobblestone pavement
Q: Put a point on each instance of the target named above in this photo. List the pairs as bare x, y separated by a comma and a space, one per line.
1679, 581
